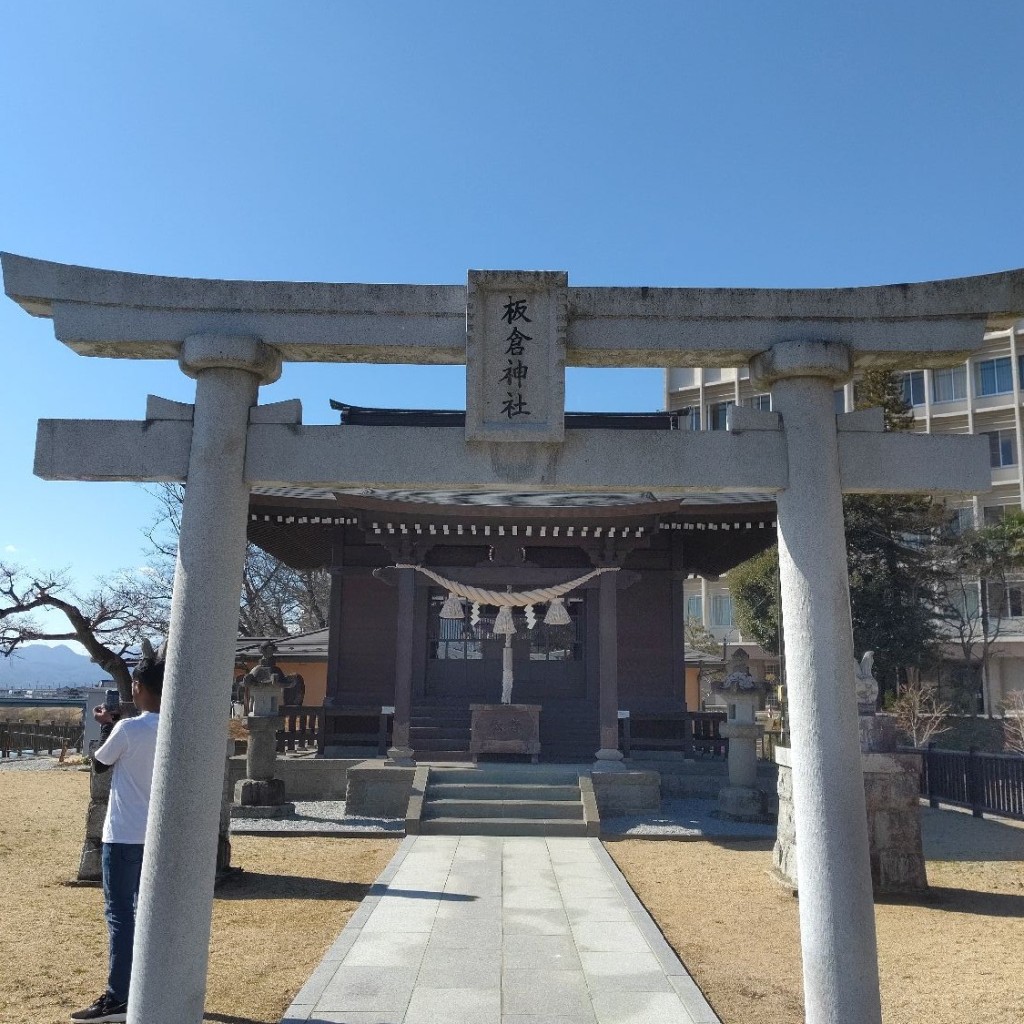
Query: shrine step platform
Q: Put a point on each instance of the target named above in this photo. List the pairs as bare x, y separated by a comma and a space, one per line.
506, 800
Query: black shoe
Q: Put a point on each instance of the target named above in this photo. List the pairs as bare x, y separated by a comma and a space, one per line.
106, 1008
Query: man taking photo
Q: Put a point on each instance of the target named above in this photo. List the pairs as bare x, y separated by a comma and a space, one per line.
129, 750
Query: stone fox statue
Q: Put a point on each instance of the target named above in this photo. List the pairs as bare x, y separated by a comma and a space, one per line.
864, 680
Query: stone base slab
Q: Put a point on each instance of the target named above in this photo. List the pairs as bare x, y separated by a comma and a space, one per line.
268, 811
378, 790
626, 792
259, 792
742, 803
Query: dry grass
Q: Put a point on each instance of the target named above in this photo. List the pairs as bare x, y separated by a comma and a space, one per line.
60, 716
270, 928
953, 957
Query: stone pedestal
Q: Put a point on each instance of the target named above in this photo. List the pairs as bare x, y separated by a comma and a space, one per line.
90, 866
891, 791
505, 729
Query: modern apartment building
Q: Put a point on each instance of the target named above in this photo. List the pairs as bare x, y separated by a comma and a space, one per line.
980, 396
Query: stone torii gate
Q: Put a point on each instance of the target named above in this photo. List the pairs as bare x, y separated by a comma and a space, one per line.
515, 331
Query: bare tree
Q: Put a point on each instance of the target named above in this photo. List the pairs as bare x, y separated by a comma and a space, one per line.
108, 622
979, 592
275, 599
919, 713
1013, 721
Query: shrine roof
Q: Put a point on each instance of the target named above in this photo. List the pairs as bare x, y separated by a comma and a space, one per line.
357, 415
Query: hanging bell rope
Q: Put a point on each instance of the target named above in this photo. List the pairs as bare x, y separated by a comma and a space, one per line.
504, 599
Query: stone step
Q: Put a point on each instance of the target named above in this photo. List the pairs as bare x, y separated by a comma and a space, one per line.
549, 809
428, 731
501, 791
507, 774
502, 827
445, 742
440, 755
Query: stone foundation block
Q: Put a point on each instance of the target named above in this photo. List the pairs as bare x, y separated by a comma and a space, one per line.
377, 790
741, 803
626, 792
260, 792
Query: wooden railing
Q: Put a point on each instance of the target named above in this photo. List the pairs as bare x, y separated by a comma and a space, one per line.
689, 732
19, 738
983, 783
300, 729
357, 725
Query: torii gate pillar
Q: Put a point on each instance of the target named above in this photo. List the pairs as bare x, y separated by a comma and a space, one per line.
840, 959
173, 921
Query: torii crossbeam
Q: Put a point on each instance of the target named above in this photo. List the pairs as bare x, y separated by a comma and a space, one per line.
515, 330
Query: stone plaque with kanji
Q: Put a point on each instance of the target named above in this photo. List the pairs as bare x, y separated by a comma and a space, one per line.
515, 355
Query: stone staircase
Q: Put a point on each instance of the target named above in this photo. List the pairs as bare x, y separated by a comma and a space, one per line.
440, 732
508, 800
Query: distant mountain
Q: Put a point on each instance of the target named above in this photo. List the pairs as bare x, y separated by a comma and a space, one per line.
48, 668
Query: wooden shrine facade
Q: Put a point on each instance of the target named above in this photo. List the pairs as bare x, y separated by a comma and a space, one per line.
624, 646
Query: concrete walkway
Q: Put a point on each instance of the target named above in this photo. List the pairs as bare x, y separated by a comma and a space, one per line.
493, 930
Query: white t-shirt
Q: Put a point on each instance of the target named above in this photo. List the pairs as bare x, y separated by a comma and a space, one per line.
130, 748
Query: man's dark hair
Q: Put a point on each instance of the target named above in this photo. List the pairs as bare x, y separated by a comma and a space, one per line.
150, 673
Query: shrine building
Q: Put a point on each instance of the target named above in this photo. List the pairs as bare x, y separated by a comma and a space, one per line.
500, 541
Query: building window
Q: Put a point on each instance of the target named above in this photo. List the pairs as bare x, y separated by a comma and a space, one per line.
1006, 601
961, 519
689, 418
1002, 448
694, 608
913, 387
712, 375
721, 610
993, 376
992, 515
949, 385
967, 602
717, 413
763, 403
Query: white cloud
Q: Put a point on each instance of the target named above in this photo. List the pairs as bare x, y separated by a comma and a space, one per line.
10, 549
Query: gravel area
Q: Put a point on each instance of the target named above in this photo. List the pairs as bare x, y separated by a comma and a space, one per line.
29, 763
687, 819
318, 817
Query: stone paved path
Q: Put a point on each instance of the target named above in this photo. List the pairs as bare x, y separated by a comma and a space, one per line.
492, 930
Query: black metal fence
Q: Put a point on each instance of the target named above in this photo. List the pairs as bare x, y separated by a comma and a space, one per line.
983, 783
20, 738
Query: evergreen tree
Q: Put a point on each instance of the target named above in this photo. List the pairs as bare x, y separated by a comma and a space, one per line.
890, 546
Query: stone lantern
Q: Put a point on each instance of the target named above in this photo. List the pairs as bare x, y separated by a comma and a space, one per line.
261, 794
741, 800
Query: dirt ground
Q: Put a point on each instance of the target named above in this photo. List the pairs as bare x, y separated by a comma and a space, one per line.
953, 957
270, 926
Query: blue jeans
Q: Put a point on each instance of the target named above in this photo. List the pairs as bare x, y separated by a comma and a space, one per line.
122, 868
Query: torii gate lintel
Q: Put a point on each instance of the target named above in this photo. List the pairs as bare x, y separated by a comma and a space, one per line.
231, 337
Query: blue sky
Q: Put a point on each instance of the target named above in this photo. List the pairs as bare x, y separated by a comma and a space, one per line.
672, 143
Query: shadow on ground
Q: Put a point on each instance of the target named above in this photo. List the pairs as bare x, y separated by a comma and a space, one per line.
960, 901
254, 885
